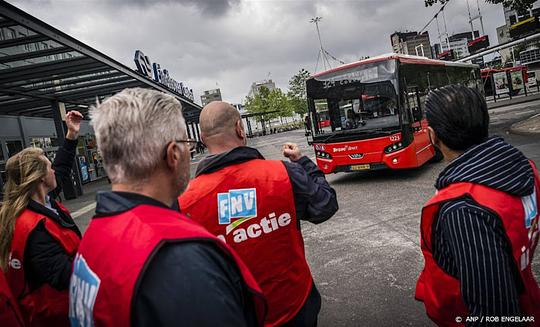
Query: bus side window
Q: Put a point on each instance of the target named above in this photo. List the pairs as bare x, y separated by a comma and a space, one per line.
413, 100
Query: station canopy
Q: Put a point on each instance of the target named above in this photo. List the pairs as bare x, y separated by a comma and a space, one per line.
41, 66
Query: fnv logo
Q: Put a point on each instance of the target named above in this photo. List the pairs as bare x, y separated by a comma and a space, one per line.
83, 290
235, 204
530, 207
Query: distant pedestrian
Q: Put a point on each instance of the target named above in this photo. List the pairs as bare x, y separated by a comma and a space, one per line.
140, 263
480, 230
38, 235
307, 123
256, 205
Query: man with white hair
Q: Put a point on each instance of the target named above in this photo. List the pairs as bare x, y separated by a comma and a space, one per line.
141, 263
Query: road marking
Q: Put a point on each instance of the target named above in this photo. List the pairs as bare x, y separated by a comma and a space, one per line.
83, 210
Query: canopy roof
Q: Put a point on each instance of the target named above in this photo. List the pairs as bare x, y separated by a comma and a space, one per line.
40, 65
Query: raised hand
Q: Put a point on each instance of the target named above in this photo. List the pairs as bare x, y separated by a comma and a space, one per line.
73, 122
291, 151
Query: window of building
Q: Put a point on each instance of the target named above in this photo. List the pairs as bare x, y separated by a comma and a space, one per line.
14, 147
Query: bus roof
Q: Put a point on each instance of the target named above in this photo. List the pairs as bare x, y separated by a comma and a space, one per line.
397, 56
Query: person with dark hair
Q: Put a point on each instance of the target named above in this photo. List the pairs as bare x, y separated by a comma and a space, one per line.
480, 230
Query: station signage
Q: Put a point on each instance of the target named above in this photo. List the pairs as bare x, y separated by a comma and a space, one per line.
155, 72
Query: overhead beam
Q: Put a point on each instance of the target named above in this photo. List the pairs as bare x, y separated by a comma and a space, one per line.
62, 80
33, 54
99, 91
22, 41
57, 77
21, 105
50, 68
8, 23
84, 86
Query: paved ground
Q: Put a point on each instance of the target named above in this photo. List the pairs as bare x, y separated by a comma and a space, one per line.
366, 259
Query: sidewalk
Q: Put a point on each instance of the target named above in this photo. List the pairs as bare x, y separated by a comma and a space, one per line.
527, 127
87, 202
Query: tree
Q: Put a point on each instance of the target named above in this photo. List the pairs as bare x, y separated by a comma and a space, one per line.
521, 6
297, 92
270, 104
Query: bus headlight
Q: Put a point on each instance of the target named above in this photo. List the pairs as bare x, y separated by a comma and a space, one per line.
323, 155
393, 147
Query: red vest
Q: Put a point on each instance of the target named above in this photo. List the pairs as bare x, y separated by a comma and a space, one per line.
44, 305
113, 255
251, 206
439, 291
10, 315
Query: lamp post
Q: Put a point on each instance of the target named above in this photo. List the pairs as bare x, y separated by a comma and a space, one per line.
322, 52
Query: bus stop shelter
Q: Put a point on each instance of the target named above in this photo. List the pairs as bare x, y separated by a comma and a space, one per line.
45, 72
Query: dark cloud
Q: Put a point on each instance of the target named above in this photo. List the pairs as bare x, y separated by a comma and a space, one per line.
206, 7
234, 43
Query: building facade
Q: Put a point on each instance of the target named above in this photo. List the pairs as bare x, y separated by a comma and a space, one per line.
256, 86
211, 95
459, 43
412, 43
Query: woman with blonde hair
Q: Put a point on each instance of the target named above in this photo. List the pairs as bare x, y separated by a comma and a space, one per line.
38, 237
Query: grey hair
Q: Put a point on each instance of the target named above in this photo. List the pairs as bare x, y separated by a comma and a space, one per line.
133, 128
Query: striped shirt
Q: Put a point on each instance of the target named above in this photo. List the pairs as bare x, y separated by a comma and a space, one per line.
469, 241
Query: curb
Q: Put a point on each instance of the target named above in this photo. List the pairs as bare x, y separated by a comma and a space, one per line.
518, 100
516, 129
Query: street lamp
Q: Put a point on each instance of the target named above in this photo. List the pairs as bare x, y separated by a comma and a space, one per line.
322, 52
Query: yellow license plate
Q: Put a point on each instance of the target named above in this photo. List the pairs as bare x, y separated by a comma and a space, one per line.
360, 167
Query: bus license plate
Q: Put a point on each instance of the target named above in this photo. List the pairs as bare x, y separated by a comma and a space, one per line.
360, 167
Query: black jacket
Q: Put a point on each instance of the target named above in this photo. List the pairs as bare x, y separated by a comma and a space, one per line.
188, 283
469, 241
45, 259
315, 201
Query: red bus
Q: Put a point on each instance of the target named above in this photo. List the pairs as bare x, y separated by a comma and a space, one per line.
376, 111
513, 85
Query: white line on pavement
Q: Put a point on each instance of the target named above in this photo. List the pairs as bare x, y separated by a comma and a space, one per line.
83, 210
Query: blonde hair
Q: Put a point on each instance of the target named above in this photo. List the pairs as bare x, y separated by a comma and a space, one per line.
24, 171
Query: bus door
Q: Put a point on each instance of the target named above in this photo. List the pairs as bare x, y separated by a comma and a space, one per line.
419, 125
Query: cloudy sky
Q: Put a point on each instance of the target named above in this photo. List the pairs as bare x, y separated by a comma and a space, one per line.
231, 43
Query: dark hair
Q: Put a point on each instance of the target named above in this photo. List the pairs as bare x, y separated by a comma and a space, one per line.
458, 115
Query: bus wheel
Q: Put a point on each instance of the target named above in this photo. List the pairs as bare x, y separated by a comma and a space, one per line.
438, 157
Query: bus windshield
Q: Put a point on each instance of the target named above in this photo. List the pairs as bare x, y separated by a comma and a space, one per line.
363, 98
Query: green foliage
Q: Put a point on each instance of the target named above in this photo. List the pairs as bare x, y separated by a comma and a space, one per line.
520, 6
272, 104
297, 92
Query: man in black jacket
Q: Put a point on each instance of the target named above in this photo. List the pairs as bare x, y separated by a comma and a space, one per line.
472, 239
180, 279
296, 189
